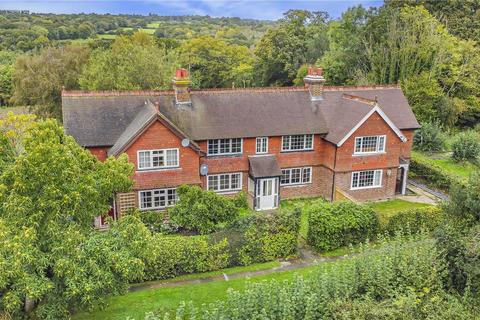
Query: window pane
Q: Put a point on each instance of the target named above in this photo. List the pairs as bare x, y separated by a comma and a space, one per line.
145, 199
286, 143
172, 157
381, 144
296, 175
171, 197
235, 183
309, 141
378, 175
212, 147
306, 175
143, 159
224, 182
355, 180
285, 176
213, 183
262, 145
358, 144
236, 145
297, 142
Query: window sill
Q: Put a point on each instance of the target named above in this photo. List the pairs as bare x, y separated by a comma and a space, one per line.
233, 155
295, 185
368, 154
365, 188
227, 191
158, 169
291, 151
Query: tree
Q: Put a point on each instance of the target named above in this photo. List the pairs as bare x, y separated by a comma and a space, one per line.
51, 259
214, 63
133, 62
300, 38
7, 60
38, 79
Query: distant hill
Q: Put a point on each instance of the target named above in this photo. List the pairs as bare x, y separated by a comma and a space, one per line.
24, 31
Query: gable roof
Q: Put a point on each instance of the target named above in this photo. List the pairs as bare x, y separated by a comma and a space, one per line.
101, 118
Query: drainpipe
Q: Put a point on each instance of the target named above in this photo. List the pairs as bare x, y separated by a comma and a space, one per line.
332, 198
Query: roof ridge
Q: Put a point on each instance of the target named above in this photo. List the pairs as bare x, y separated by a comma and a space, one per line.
83, 93
372, 102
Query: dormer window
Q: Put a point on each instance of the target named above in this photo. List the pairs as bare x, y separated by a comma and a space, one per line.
157, 159
369, 145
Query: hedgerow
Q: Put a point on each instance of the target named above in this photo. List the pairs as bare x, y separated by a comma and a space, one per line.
333, 225
416, 220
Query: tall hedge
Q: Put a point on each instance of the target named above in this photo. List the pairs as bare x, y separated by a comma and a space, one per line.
333, 225
416, 220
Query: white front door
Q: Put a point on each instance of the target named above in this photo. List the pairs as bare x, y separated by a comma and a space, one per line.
267, 193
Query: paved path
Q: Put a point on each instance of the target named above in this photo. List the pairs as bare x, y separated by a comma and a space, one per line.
425, 188
307, 258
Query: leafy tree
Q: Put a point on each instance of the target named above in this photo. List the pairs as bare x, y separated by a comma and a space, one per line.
430, 137
297, 40
133, 62
51, 259
465, 199
201, 210
7, 60
214, 63
466, 146
38, 79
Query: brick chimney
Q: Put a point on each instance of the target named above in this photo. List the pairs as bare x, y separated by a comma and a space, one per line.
315, 81
181, 85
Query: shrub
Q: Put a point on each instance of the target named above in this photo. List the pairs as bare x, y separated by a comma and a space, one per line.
416, 220
202, 211
335, 225
434, 175
430, 137
156, 221
262, 237
176, 255
465, 199
466, 146
240, 200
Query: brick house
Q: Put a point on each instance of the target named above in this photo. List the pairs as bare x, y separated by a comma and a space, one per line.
271, 143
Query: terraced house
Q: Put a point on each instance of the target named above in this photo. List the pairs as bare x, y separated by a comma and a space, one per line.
271, 143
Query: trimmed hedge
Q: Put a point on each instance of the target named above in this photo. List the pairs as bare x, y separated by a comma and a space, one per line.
416, 220
434, 175
176, 255
333, 225
261, 237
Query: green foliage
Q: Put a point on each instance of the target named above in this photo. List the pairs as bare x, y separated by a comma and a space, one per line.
156, 221
465, 199
39, 79
339, 224
170, 256
466, 146
132, 62
214, 63
240, 200
416, 220
430, 137
402, 280
424, 169
50, 191
202, 211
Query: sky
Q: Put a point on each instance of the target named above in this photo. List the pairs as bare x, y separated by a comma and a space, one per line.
260, 9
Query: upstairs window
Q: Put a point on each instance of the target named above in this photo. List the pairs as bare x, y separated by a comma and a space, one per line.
297, 142
294, 176
262, 145
157, 159
224, 146
366, 179
224, 182
372, 144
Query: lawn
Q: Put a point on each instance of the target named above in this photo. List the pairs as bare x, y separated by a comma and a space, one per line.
136, 304
443, 160
386, 209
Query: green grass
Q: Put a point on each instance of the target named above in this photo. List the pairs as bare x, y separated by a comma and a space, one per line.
136, 304
153, 25
107, 36
443, 160
386, 209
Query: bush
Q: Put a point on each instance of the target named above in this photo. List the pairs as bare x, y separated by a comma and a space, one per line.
466, 146
261, 237
176, 255
465, 199
430, 137
331, 226
416, 220
421, 167
156, 221
202, 211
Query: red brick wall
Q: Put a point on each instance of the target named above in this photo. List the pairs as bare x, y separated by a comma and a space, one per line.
157, 136
99, 152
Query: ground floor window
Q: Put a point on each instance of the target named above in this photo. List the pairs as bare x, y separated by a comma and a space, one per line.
224, 182
292, 176
366, 179
157, 198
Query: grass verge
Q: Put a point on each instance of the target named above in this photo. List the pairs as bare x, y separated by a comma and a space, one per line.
387, 209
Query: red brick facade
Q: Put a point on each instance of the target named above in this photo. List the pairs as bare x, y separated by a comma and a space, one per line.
332, 166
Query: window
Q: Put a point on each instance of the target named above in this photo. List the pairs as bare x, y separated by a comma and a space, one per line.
294, 176
372, 144
262, 144
367, 179
224, 146
224, 182
151, 159
157, 199
297, 142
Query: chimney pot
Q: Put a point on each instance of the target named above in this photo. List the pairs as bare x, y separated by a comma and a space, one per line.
181, 85
315, 81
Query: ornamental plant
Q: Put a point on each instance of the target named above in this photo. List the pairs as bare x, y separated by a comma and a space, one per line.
333, 225
466, 146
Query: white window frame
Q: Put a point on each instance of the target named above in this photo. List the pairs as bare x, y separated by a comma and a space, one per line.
230, 189
373, 186
209, 153
289, 137
167, 205
165, 166
261, 142
301, 177
378, 149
